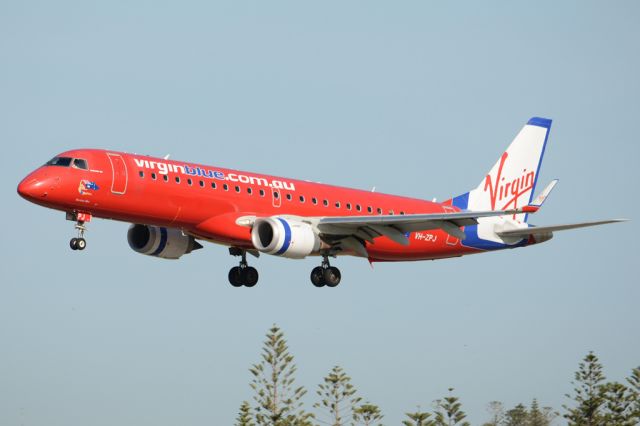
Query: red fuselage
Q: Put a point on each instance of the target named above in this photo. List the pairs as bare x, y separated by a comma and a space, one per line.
206, 201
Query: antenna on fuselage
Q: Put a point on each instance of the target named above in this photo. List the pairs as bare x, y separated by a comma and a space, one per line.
166, 157
373, 189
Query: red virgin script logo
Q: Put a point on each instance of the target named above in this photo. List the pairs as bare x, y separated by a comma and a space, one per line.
507, 193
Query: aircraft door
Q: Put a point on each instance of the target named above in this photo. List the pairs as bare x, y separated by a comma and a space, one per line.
120, 177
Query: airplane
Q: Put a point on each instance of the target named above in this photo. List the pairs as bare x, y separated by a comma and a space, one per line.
173, 206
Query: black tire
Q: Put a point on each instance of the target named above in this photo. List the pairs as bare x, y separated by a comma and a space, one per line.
249, 276
317, 277
81, 243
332, 276
73, 243
234, 276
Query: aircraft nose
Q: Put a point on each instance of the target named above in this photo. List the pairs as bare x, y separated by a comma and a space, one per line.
28, 188
35, 187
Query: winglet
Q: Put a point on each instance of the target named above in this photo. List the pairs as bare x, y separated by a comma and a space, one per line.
539, 200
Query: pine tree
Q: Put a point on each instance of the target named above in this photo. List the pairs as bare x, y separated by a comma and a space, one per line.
245, 417
278, 401
587, 398
419, 418
449, 411
496, 410
535, 417
634, 386
517, 416
367, 414
617, 407
338, 397
540, 416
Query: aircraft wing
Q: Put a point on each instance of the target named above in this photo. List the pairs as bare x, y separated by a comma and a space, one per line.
395, 227
536, 230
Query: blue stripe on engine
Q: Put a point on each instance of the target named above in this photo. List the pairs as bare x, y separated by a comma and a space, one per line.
163, 242
287, 237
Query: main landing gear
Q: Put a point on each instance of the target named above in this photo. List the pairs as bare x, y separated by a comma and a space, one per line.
326, 274
243, 275
79, 243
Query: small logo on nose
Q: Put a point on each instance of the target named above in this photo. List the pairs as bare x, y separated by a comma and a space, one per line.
86, 187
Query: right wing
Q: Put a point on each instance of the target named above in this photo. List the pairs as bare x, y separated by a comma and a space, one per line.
537, 230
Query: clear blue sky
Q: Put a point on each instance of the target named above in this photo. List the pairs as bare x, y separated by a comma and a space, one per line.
415, 98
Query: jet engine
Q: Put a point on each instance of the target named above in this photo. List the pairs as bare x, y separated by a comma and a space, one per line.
167, 243
284, 237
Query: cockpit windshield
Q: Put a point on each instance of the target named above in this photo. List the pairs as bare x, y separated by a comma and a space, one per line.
80, 163
59, 161
77, 163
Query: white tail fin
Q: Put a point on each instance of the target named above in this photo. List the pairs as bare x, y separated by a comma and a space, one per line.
512, 180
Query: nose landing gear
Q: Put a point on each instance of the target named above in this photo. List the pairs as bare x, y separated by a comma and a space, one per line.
243, 275
79, 243
325, 274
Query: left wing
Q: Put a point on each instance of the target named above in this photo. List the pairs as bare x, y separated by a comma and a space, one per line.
351, 231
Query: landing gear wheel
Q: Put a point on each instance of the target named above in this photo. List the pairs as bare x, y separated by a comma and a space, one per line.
317, 278
249, 276
81, 243
234, 276
243, 275
332, 276
73, 243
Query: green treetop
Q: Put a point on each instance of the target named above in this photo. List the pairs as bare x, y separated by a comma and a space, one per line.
278, 400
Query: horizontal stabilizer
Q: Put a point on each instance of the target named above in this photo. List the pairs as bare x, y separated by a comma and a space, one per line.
535, 230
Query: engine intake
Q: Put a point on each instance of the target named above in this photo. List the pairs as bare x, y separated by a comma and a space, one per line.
284, 237
166, 243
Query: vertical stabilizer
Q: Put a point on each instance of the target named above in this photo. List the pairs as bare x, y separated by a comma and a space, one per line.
511, 181
509, 184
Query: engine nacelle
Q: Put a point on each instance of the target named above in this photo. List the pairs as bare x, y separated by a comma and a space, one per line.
284, 237
167, 243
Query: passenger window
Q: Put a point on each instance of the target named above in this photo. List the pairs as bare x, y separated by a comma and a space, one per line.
80, 164
153, 176
337, 204
314, 200
401, 213
141, 173
237, 188
289, 197
369, 209
225, 187
348, 206
302, 198
213, 185
325, 202
165, 178
249, 190
379, 210
358, 207
276, 195
262, 192
189, 181
177, 179
202, 184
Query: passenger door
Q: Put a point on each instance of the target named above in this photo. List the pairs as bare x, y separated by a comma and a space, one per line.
120, 176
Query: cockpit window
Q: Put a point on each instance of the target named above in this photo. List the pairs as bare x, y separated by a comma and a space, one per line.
59, 161
80, 163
